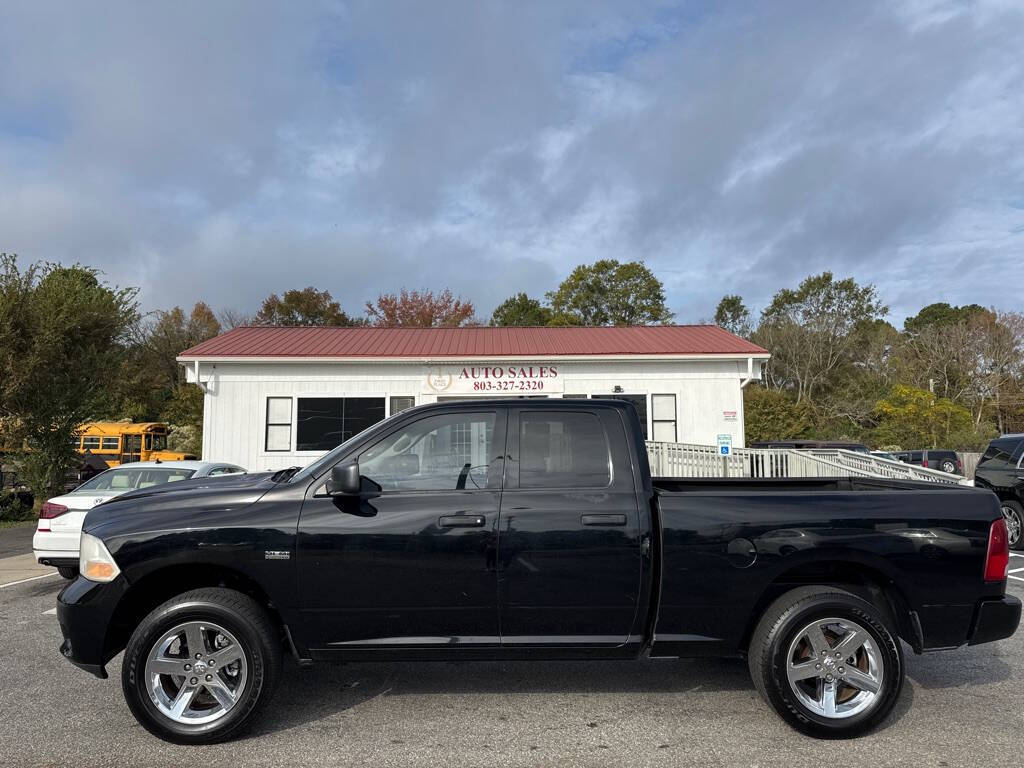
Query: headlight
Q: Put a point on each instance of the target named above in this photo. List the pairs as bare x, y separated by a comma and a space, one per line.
94, 561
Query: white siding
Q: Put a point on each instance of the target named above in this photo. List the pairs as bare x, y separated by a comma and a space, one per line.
236, 396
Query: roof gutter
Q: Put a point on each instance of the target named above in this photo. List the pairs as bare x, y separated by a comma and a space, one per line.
469, 358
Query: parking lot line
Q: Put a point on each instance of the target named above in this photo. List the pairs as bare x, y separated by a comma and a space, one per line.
23, 581
1015, 578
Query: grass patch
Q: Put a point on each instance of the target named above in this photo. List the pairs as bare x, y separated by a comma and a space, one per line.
15, 523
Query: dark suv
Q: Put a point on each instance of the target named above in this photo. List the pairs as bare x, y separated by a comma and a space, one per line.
1000, 471
944, 461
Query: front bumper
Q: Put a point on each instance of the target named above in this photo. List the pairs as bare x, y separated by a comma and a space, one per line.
996, 619
84, 611
57, 559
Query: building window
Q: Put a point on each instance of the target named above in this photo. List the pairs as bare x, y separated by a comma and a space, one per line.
111, 443
323, 423
279, 424
639, 403
401, 403
562, 450
663, 418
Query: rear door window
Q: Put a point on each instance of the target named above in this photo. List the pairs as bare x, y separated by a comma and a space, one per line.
999, 452
1018, 453
563, 450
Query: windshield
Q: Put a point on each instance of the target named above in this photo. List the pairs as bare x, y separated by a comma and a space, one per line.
124, 479
331, 457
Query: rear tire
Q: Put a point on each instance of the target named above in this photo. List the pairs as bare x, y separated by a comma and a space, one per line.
68, 572
1013, 513
948, 466
794, 666
201, 667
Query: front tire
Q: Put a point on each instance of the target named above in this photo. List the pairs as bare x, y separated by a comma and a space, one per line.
200, 668
827, 661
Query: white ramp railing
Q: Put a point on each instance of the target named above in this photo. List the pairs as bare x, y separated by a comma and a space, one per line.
689, 460
879, 466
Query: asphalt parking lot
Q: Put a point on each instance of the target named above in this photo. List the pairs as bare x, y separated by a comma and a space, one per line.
964, 707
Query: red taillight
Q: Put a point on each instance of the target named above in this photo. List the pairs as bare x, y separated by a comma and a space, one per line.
51, 510
997, 562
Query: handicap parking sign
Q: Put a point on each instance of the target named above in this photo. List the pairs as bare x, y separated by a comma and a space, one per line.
725, 444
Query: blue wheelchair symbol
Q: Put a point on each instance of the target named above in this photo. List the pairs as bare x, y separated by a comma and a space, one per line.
724, 449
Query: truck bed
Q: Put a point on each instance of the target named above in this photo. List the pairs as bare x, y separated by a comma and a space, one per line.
724, 540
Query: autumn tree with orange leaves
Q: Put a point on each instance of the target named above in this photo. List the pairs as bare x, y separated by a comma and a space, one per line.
420, 309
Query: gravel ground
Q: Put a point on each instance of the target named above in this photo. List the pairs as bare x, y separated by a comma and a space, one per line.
959, 708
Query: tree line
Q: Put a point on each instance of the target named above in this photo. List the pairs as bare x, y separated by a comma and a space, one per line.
951, 377
74, 348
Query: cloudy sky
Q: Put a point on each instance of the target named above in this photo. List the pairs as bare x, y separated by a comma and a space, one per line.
221, 151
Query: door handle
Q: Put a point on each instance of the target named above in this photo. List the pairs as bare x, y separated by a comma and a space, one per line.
462, 521
603, 520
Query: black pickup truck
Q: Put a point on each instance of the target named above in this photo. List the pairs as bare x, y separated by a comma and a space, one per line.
528, 529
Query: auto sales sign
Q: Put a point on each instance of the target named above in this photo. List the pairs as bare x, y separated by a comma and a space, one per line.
493, 379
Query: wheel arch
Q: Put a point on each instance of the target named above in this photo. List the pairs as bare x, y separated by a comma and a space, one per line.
160, 585
869, 581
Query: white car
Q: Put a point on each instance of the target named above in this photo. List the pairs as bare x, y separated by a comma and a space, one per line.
60, 519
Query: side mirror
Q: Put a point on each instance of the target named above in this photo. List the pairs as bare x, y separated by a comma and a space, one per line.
345, 479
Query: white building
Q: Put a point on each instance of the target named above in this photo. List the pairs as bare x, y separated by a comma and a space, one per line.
277, 397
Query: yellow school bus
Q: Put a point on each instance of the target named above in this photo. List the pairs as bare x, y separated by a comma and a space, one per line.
121, 442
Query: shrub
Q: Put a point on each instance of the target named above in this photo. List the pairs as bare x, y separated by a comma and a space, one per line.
15, 505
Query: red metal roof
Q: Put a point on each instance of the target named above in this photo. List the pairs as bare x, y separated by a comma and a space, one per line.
321, 342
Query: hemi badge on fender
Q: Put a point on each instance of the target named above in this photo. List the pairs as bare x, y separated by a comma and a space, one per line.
277, 554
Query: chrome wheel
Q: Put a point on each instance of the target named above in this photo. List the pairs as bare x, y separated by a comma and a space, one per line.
1013, 523
196, 672
834, 668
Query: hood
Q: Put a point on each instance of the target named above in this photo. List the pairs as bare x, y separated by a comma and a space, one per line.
183, 504
217, 482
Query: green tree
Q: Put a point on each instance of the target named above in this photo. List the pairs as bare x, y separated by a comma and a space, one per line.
915, 418
610, 293
150, 373
184, 412
62, 333
521, 310
810, 332
733, 315
773, 415
173, 332
420, 309
303, 307
940, 314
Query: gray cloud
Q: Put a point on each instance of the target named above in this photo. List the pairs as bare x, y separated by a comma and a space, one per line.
224, 151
